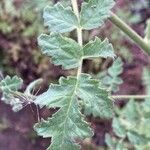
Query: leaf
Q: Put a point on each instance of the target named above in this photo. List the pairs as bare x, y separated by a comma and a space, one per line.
37, 5
10, 84
143, 147
94, 13
144, 127
64, 127
96, 101
109, 141
146, 105
60, 19
68, 53
116, 69
11, 95
112, 80
137, 139
98, 48
64, 51
130, 112
120, 146
118, 128
67, 124
146, 79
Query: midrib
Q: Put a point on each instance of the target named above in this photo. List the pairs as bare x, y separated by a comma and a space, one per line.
69, 108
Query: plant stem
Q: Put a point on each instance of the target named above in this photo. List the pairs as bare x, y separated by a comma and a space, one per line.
79, 33
130, 32
130, 96
79, 30
147, 32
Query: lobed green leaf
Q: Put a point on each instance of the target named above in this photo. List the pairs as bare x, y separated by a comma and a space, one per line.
94, 13
98, 48
64, 51
60, 19
111, 78
118, 128
137, 139
96, 100
10, 84
68, 124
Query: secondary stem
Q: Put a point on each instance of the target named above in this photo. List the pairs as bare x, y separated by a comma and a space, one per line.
130, 96
130, 32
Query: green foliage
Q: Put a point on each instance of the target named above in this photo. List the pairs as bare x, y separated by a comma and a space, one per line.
60, 19
18, 100
146, 79
74, 96
65, 96
5, 27
68, 53
111, 79
100, 9
147, 31
37, 5
98, 48
8, 7
64, 51
133, 121
137, 139
133, 124
90, 91
110, 142
68, 123
118, 128
114, 144
10, 84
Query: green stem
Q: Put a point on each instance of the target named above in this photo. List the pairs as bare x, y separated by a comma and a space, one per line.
130, 32
79, 30
79, 34
147, 32
130, 96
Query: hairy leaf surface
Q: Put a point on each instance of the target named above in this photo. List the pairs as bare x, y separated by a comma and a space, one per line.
60, 19
118, 128
10, 84
94, 13
64, 51
111, 78
68, 53
96, 101
146, 79
68, 123
98, 48
137, 139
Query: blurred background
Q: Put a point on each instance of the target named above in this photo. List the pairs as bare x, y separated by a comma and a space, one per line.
20, 24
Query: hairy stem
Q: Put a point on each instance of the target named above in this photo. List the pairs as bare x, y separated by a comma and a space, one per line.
79, 33
130, 96
130, 32
79, 30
